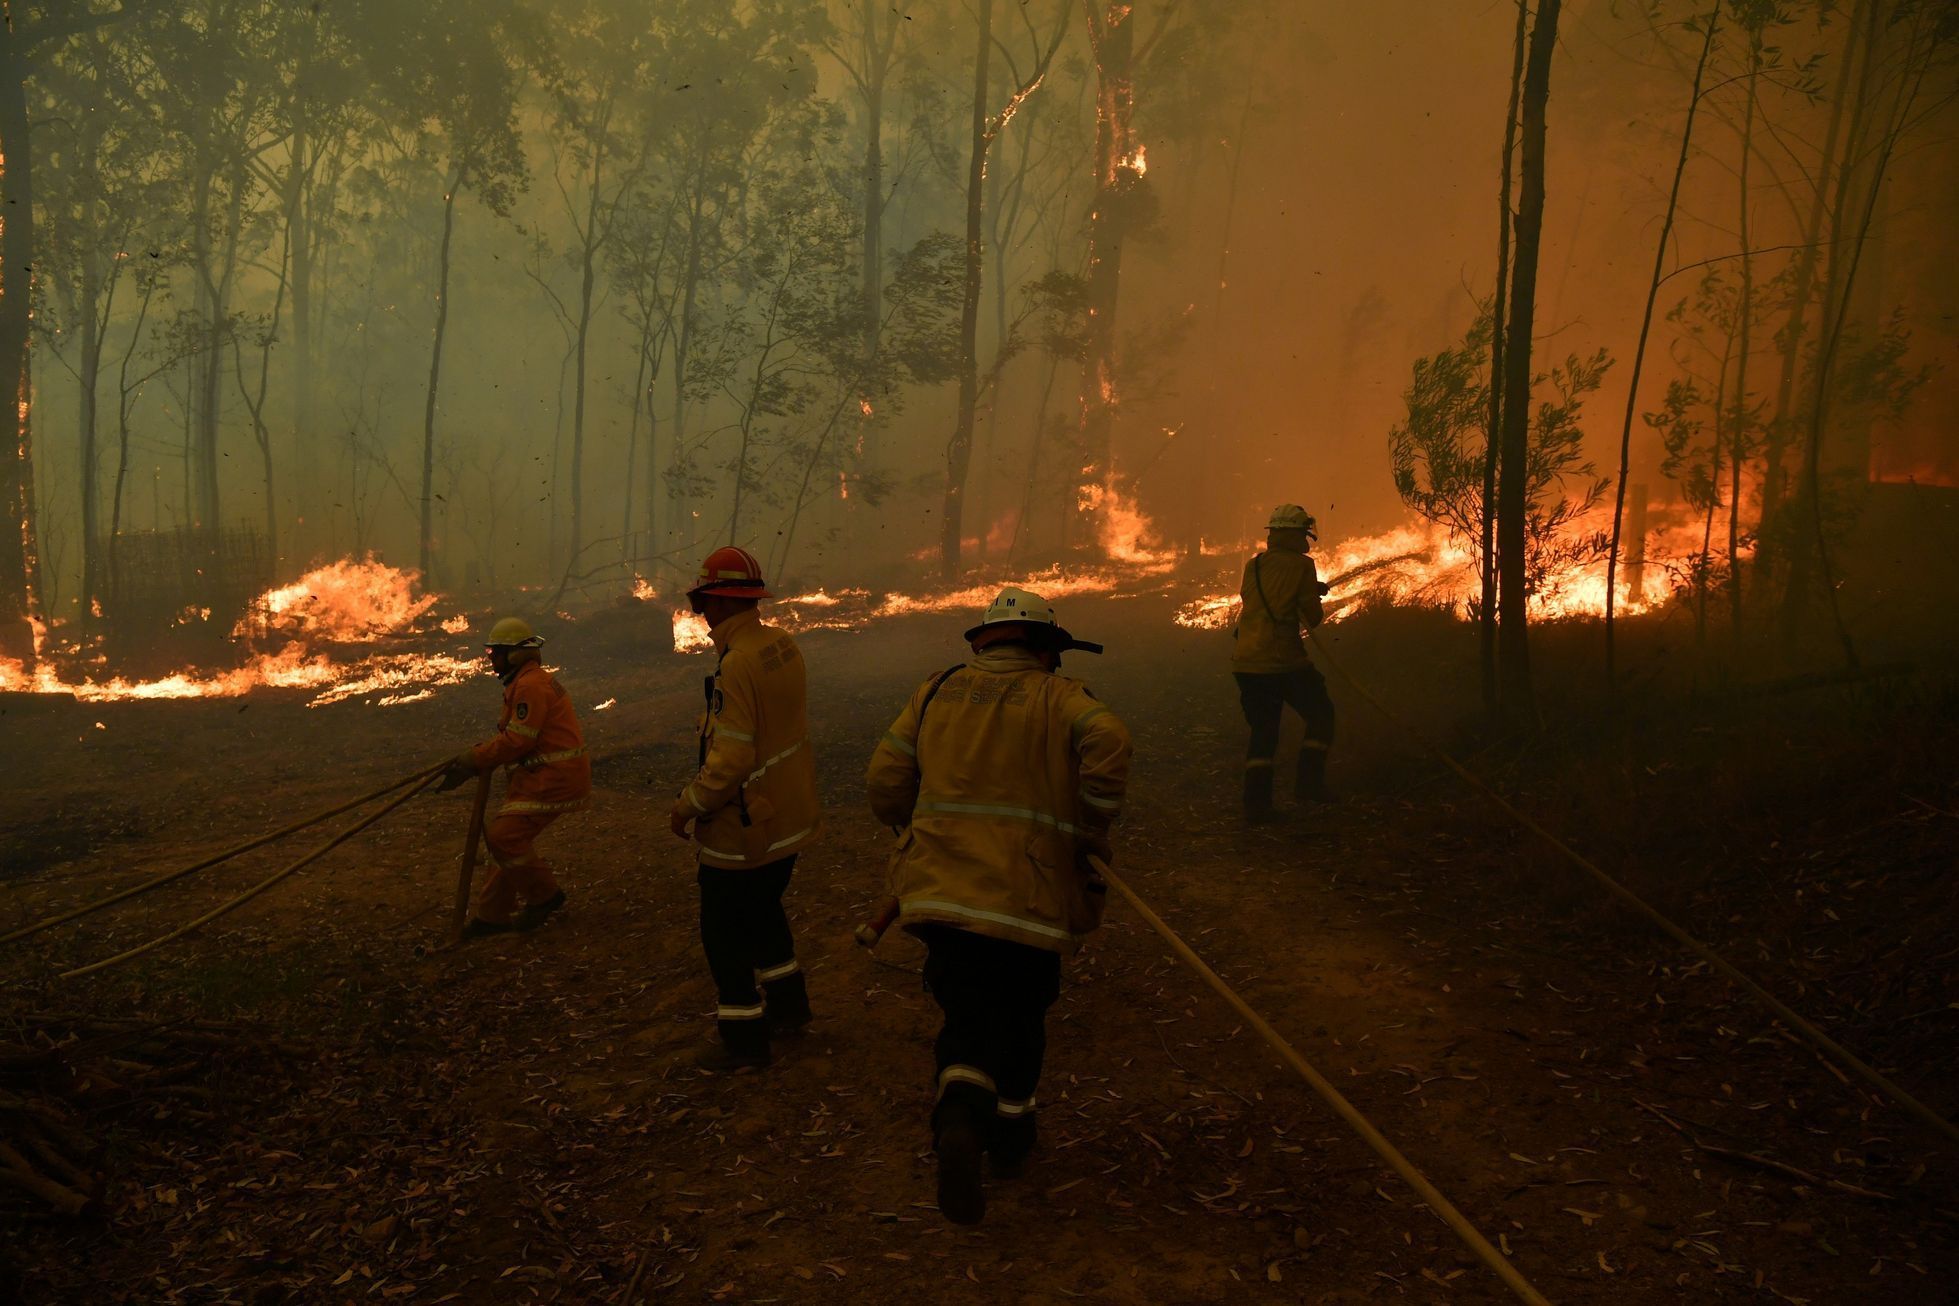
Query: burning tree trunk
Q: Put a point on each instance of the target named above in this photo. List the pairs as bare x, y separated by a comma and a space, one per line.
1486, 623
18, 580
1119, 168
1513, 650
1710, 24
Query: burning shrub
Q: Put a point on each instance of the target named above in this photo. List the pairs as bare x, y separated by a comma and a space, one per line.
347, 602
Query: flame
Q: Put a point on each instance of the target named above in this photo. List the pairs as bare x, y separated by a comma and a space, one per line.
1137, 160
1424, 564
690, 632
346, 601
1124, 531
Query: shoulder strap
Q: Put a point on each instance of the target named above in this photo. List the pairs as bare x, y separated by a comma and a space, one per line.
1258, 583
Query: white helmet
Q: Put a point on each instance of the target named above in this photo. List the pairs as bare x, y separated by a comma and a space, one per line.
1014, 606
1292, 517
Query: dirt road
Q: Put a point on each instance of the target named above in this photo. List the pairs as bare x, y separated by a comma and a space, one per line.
516, 1121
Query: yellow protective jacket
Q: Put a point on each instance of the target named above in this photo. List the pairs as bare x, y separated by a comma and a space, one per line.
1012, 769
539, 739
1281, 596
754, 798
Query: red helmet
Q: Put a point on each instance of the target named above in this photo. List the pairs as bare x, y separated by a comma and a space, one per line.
732, 572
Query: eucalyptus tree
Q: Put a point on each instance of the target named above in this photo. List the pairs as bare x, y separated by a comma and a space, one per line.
1513, 620
453, 73
30, 35
1027, 72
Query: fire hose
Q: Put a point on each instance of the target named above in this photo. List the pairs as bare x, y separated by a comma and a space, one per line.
158, 881
870, 932
1816, 1038
231, 904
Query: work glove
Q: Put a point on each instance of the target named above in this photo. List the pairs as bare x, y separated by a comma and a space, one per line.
680, 818
1093, 845
461, 768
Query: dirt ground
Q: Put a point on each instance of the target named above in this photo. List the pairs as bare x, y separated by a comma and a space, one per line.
517, 1120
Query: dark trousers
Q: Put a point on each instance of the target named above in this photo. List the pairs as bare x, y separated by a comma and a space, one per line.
995, 996
750, 953
1264, 699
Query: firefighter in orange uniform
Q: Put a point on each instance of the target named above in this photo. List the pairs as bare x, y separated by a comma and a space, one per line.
539, 741
751, 809
1280, 596
1006, 777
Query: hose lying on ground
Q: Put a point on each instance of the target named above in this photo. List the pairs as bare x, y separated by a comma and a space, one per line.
1816, 1037
425, 781
158, 881
1457, 1222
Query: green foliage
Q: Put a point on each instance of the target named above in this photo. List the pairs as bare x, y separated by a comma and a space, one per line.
1437, 452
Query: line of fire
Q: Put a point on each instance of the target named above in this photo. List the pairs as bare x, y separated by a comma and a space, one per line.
1498, 464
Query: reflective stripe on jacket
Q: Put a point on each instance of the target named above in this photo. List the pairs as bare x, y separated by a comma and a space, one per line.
755, 795
1280, 595
1012, 767
539, 739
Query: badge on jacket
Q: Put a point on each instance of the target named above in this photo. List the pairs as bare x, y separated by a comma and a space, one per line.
523, 710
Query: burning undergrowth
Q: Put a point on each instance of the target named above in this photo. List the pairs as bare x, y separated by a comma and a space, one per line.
350, 629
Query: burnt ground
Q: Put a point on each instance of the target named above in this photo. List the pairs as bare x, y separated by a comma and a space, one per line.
517, 1121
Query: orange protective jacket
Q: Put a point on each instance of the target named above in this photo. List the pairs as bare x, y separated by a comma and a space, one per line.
539, 740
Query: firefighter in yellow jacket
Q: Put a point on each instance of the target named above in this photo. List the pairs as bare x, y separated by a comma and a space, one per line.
1281, 596
539, 741
1004, 777
751, 808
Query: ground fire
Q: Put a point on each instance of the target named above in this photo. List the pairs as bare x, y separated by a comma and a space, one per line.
1134, 652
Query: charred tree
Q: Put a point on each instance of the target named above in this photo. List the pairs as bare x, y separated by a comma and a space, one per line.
1487, 566
1119, 168
1513, 648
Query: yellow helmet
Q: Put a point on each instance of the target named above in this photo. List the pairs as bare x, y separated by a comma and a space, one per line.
513, 632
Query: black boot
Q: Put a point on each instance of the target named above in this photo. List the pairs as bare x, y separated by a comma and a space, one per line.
1258, 794
1309, 785
788, 1005
960, 1144
537, 913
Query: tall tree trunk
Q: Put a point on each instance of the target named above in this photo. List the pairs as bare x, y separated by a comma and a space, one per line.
90, 375
307, 498
591, 245
1486, 616
124, 391
1802, 291
1200, 473
1118, 169
1803, 559
1513, 648
1914, 65
1711, 25
632, 452
19, 581
1739, 423
427, 550
959, 452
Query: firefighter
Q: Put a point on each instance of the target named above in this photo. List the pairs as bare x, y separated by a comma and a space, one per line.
1281, 596
1005, 777
751, 808
539, 741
